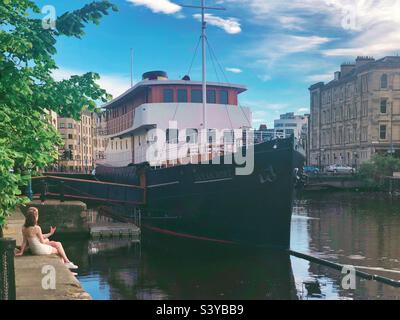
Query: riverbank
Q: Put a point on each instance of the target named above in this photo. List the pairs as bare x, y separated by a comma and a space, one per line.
33, 273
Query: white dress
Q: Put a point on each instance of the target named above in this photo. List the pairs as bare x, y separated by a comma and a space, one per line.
38, 248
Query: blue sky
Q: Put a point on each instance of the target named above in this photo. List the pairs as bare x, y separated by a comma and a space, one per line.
278, 48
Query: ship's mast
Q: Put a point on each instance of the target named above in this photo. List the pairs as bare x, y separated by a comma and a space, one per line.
204, 64
204, 49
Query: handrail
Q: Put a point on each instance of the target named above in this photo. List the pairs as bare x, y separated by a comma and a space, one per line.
89, 181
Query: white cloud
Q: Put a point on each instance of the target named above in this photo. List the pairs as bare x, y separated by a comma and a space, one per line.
272, 48
265, 77
113, 83
291, 23
303, 110
234, 70
230, 25
158, 6
325, 77
362, 27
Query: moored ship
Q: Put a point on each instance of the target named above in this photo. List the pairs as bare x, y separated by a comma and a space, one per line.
190, 197
208, 175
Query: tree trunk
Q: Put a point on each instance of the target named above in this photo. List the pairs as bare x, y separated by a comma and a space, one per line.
1, 232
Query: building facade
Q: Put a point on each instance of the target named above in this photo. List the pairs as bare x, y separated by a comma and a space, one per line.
83, 145
290, 124
357, 114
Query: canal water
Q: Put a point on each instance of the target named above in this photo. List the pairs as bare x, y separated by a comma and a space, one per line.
362, 230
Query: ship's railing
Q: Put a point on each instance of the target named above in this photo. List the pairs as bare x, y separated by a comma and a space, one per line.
177, 152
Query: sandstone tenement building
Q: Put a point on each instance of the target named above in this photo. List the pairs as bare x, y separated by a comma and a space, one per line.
357, 114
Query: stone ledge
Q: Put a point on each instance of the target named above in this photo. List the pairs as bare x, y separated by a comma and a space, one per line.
28, 271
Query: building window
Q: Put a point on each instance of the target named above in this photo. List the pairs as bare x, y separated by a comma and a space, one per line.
223, 97
383, 105
384, 81
289, 132
211, 96
382, 132
172, 136
62, 125
168, 95
70, 136
182, 95
197, 96
70, 126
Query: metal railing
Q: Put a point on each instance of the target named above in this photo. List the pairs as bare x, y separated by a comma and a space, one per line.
7, 270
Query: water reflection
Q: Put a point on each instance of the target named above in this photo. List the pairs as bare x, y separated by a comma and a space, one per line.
146, 271
354, 229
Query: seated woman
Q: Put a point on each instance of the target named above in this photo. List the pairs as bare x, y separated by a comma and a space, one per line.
39, 243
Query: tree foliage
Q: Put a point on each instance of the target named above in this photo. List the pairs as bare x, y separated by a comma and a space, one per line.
372, 172
28, 142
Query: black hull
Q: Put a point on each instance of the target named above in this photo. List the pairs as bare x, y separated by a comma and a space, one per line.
210, 202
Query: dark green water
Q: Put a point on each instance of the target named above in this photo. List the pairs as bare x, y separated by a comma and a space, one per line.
353, 229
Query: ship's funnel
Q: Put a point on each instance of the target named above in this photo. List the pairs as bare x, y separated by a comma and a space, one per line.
155, 75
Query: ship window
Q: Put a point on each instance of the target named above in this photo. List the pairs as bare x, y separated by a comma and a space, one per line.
211, 96
228, 137
172, 136
182, 95
223, 97
197, 96
191, 135
168, 95
212, 136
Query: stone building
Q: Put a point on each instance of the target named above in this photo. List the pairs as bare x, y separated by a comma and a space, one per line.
83, 144
357, 114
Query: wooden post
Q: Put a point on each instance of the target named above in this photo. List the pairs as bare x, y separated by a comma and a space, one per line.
43, 191
62, 191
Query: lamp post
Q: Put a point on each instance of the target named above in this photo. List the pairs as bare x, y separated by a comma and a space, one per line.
29, 192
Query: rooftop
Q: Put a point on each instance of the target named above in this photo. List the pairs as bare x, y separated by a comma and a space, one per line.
370, 63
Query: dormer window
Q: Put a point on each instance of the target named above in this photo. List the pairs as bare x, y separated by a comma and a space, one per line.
384, 81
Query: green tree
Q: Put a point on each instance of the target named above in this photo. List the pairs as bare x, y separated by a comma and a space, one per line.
372, 172
28, 142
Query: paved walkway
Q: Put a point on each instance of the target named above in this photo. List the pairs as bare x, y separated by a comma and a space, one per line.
29, 276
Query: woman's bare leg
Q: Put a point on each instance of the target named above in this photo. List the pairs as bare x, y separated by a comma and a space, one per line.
60, 250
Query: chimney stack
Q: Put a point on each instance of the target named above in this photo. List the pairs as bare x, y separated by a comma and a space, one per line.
360, 61
337, 75
346, 68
